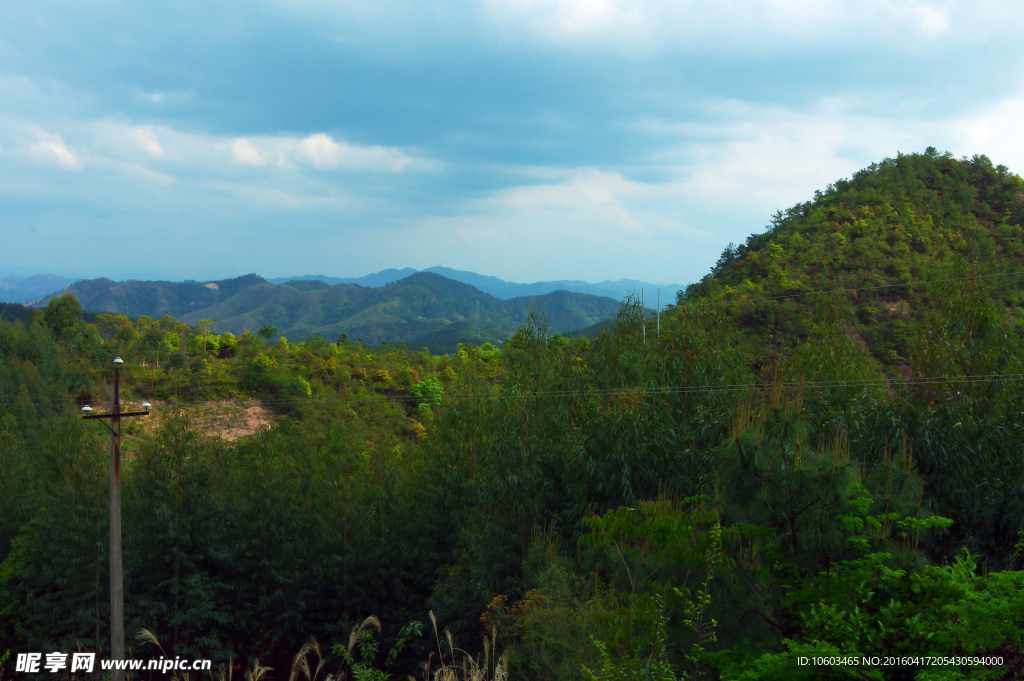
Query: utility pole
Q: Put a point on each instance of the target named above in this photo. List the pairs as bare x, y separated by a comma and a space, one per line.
116, 568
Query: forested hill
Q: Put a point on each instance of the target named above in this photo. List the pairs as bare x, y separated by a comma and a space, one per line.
423, 308
917, 217
156, 298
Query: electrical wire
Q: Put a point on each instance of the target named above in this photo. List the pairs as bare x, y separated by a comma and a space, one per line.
599, 392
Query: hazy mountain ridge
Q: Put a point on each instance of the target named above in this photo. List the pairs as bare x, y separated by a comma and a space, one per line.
29, 289
506, 290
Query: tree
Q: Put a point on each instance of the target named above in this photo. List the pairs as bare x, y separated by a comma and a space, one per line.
431, 390
266, 332
60, 315
152, 339
203, 327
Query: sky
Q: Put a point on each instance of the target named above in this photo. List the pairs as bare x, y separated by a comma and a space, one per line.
525, 139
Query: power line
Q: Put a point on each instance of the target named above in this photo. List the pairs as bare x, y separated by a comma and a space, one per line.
676, 390
602, 392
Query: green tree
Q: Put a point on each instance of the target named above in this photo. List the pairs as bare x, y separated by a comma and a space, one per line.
60, 315
152, 339
431, 390
266, 332
203, 331
54, 583
177, 551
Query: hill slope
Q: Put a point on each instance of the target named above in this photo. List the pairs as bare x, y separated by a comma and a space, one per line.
156, 298
423, 308
918, 217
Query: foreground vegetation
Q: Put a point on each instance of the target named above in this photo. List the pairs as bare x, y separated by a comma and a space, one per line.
716, 500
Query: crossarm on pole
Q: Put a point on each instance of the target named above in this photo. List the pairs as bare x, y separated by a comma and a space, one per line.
112, 416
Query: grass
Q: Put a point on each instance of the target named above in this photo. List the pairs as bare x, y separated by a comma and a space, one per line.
309, 663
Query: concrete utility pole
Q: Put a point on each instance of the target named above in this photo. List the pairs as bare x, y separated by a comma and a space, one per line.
116, 569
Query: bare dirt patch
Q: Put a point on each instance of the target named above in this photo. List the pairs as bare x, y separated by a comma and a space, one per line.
898, 308
229, 419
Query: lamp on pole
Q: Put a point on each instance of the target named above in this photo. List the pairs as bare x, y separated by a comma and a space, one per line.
116, 569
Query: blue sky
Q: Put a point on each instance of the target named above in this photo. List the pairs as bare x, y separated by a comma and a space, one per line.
525, 139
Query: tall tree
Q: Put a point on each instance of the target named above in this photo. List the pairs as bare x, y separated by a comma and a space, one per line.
266, 332
60, 315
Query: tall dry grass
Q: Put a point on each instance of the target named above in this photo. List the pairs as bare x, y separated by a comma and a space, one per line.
453, 663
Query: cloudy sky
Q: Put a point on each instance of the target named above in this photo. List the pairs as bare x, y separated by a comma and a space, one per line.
526, 139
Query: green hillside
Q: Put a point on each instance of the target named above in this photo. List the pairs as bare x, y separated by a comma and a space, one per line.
422, 309
155, 298
307, 284
918, 217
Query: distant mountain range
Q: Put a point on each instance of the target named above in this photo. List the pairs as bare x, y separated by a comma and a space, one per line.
422, 308
506, 290
31, 289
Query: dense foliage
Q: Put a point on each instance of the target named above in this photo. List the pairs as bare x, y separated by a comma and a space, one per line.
756, 482
914, 218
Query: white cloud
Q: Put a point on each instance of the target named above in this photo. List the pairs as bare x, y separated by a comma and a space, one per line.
320, 151
995, 131
585, 196
562, 19
116, 139
51, 148
934, 21
145, 139
244, 151
137, 170
571, 220
159, 153
323, 152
